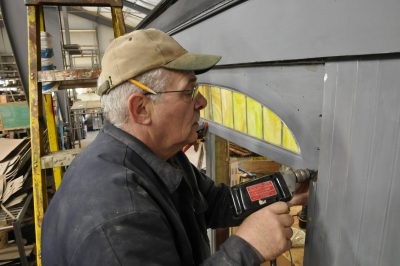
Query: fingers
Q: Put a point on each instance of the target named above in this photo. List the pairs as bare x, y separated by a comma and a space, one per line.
299, 199
288, 232
279, 207
289, 245
268, 230
286, 220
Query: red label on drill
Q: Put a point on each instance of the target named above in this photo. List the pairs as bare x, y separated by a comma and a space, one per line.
262, 190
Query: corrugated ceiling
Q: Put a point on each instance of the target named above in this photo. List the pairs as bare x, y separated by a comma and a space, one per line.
134, 10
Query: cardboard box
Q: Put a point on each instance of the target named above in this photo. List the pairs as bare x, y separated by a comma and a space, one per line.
3, 98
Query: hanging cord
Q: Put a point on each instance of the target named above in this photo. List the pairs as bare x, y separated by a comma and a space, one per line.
273, 262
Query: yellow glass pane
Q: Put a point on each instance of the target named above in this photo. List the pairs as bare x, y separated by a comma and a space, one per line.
227, 112
289, 142
239, 112
272, 127
216, 104
202, 113
201, 91
254, 118
205, 91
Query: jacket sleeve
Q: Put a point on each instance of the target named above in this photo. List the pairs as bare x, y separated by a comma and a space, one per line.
216, 199
219, 212
134, 239
235, 252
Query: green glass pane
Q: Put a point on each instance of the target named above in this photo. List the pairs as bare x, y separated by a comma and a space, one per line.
239, 112
227, 104
254, 118
272, 127
216, 104
289, 142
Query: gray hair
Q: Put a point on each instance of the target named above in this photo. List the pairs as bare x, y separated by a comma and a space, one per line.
115, 103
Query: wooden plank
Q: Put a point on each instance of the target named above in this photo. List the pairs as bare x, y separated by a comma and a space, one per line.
73, 84
84, 105
59, 158
63, 75
221, 176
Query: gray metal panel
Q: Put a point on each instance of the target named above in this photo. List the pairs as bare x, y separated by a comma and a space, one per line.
260, 30
182, 11
14, 13
355, 210
258, 146
294, 93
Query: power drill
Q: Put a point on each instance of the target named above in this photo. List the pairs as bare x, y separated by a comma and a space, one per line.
252, 195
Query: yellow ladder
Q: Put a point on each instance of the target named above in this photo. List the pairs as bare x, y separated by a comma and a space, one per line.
71, 79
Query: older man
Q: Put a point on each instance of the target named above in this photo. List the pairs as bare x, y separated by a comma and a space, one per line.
132, 197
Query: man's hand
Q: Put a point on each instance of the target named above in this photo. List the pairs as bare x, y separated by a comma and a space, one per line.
300, 196
268, 230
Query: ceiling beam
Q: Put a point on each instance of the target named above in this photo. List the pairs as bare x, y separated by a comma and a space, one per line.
136, 7
97, 18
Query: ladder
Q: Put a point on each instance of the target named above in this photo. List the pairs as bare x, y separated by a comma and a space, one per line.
71, 78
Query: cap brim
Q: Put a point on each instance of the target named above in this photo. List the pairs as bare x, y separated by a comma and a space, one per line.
198, 63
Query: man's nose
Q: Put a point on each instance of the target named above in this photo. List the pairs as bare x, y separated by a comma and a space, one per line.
200, 102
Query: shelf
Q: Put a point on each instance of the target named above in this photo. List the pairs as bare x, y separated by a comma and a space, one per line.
8, 71
73, 78
68, 75
13, 77
17, 213
11, 87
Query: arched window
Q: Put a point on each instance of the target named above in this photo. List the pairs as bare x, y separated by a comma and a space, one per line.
239, 112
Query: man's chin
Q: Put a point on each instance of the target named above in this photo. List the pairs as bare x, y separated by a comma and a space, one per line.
192, 138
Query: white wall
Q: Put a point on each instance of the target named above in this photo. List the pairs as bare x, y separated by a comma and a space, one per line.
104, 33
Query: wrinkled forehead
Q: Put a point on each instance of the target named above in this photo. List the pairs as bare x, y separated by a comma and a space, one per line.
183, 77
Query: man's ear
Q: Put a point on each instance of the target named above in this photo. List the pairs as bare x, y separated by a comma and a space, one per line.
139, 107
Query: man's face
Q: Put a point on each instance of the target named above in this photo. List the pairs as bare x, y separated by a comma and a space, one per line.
176, 116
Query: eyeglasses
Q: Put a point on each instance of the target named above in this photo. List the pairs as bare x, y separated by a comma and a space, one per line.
194, 92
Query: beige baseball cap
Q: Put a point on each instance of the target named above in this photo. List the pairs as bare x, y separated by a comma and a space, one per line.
142, 50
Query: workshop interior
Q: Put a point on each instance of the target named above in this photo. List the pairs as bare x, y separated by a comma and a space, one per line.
306, 92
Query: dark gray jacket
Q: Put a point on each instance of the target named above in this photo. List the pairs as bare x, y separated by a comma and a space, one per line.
118, 204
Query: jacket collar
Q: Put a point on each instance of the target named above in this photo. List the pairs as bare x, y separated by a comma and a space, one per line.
168, 174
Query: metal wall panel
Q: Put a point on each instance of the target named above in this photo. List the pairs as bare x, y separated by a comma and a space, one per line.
355, 207
182, 11
260, 30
